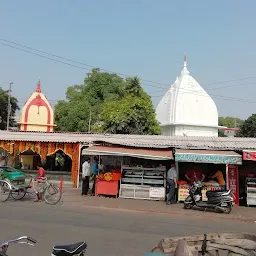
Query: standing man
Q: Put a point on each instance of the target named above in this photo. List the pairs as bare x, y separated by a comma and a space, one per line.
172, 182
86, 173
95, 172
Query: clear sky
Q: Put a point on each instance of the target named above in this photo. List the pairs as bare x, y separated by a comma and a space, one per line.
147, 38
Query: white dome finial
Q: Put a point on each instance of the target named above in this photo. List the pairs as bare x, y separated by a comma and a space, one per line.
185, 71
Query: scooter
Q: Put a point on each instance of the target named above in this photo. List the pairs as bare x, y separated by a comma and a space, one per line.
220, 201
77, 249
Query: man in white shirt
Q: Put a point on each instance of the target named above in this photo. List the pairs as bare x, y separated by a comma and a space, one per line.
86, 173
172, 182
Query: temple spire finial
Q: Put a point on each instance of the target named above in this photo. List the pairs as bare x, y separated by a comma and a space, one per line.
38, 89
185, 70
185, 60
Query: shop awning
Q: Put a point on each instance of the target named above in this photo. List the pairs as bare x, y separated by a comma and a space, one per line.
208, 156
154, 154
249, 155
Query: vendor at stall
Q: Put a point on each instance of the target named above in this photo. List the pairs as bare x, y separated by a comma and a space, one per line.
219, 176
194, 174
100, 166
95, 172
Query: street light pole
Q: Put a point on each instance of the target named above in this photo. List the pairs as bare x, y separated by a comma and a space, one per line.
9, 106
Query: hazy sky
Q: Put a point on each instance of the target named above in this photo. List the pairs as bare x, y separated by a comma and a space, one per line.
147, 38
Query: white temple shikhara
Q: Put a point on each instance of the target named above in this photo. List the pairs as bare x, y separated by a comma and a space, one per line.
186, 109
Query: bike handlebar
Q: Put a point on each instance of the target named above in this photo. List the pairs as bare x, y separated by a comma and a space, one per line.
17, 240
32, 240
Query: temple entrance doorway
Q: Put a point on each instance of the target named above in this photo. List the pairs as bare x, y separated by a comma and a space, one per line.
29, 160
59, 161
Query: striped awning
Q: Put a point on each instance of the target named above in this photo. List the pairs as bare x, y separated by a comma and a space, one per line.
154, 154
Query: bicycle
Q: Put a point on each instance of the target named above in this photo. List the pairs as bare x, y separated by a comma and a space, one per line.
62, 250
50, 192
5, 190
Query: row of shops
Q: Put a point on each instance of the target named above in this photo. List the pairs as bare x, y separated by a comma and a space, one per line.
142, 172
133, 171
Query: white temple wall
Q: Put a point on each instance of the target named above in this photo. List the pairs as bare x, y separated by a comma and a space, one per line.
189, 131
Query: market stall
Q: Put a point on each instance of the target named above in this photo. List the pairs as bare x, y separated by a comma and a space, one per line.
205, 164
143, 174
248, 177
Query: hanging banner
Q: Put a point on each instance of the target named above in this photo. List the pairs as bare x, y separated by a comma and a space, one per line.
233, 181
248, 155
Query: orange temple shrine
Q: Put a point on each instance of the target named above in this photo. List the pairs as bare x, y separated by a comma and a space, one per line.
37, 113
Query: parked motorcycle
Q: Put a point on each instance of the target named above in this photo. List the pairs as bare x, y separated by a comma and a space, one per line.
220, 201
77, 249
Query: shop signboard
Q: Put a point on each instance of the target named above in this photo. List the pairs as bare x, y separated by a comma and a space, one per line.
156, 192
207, 158
233, 181
249, 155
183, 192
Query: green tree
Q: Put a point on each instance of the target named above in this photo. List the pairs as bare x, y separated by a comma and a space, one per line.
109, 103
4, 110
83, 101
230, 122
248, 128
133, 114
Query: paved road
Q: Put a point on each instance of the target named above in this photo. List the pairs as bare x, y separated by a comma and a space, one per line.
106, 232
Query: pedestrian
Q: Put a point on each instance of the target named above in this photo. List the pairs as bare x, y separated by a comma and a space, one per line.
95, 172
86, 173
172, 182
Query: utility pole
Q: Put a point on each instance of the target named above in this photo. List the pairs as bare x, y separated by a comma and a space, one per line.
90, 119
9, 106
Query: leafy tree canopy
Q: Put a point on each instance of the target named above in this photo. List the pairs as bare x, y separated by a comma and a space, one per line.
248, 128
230, 122
111, 103
4, 109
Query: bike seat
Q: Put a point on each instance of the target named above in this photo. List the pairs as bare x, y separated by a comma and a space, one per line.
217, 193
69, 250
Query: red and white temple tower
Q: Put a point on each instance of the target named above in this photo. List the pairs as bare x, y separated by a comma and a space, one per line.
37, 113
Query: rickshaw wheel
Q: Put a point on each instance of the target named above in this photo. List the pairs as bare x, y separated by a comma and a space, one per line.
5, 191
18, 194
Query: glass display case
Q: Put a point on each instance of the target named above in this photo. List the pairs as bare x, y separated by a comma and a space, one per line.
143, 183
250, 191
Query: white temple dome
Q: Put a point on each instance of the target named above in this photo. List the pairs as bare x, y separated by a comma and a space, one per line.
187, 109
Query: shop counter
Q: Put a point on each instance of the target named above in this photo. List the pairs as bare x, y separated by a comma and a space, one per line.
107, 184
104, 187
183, 192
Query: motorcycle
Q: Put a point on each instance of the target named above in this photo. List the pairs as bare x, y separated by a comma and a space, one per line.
220, 201
77, 249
